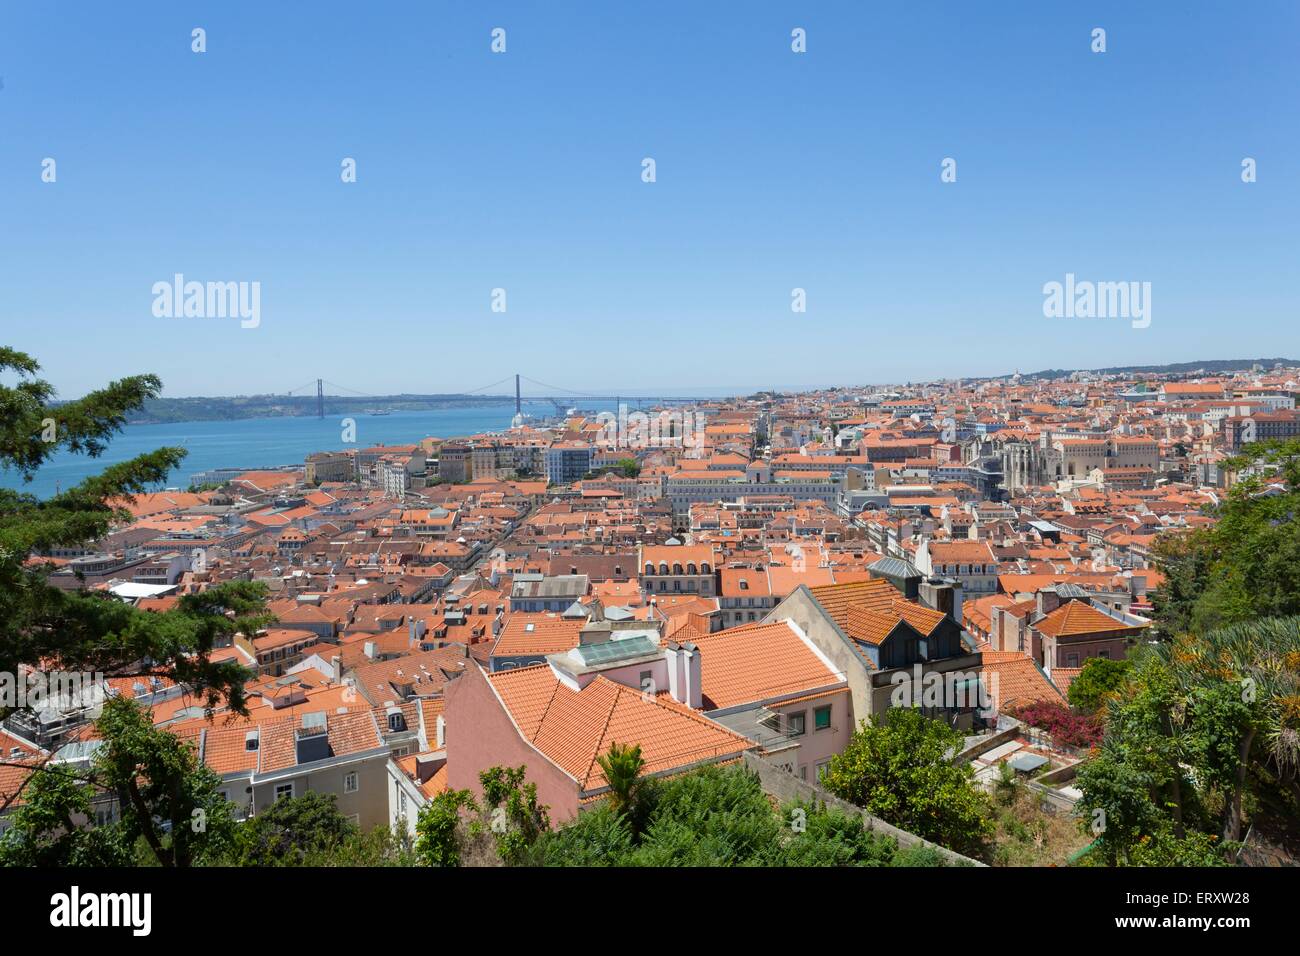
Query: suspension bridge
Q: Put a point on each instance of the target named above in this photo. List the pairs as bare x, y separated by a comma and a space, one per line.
558, 396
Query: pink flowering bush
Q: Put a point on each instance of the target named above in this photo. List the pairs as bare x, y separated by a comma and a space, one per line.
1065, 726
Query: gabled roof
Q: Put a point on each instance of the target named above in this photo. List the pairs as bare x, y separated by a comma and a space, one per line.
836, 599
758, 662
571, 728
1079, 617
870, 626
223, 745
1013, 679
527, 634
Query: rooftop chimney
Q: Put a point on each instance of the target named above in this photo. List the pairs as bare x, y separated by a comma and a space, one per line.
1048, 600
676, 679
690, 655
426, 765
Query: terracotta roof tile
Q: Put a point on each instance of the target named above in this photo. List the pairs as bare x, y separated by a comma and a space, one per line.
573, 727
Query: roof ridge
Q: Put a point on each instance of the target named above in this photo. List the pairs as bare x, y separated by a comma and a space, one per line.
674, 704
613, 705
541, 718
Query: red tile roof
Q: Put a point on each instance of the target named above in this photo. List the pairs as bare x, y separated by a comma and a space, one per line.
573, 727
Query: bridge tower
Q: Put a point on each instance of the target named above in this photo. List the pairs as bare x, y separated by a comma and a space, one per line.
320, 398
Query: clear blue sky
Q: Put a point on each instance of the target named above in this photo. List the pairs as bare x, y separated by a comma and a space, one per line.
522, 171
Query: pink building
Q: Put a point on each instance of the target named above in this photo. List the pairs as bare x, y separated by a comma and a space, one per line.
761, 687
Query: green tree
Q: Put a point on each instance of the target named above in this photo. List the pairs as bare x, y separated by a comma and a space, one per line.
628, 789
76, 630
1243, 688
378, 846
168, 803
599, 837
819, 836
166, 797
721, 817
437, 828
512, 812
898, 768
1207, 728
1137, 780
630, 467
712, 817
1245, 566
1164, 847
47, 826
503, 827
292, 829
1099, 679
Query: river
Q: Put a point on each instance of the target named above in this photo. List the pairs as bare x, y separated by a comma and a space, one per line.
265, 442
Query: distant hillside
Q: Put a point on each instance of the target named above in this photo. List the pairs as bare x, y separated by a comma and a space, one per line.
1212, 367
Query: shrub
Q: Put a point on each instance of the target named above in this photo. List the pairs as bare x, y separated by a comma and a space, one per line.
1063, 724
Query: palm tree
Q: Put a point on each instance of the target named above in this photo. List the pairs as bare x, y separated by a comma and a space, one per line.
1262, 659
622, 765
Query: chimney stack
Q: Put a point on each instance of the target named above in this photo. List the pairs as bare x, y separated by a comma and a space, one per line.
1048, 601
690, 656
676, 679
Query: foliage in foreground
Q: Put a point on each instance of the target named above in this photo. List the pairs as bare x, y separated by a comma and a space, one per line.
1099, 680
170, 811
897, 767
1205, 733
45, 626
1245, 566
708, 817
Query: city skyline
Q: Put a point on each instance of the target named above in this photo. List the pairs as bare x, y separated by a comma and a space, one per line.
538, 392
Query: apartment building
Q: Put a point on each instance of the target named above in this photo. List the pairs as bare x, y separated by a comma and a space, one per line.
329, 466
678, 569
888, 646
556, 718
745, 595
685, 488
260, 762
567, 462
970, 562
455, 463
534, 593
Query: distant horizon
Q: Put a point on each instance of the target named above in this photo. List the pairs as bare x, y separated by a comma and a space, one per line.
718, 391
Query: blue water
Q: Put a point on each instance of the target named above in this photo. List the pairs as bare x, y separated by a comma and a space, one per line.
265, 442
